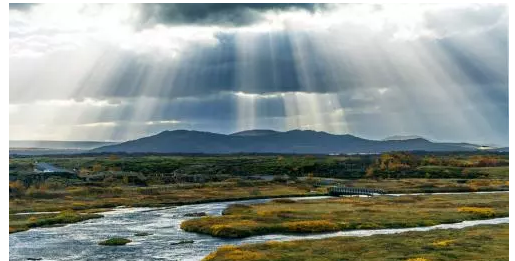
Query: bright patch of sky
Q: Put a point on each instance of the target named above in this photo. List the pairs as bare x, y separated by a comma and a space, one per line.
122, 71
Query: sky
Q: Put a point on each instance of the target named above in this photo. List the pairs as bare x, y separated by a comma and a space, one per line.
115, 72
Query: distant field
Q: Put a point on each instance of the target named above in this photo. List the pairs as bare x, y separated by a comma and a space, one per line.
393, 165
486, 242
334, 214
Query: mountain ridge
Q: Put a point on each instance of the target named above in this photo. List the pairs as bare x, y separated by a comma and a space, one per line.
270, 141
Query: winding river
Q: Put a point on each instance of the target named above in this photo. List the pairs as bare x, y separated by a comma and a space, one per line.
79, 241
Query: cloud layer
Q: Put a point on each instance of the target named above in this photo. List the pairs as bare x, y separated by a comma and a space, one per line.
117, 72
228, 14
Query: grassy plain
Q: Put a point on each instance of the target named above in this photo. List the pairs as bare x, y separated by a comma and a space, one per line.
334, 214
485, 242
106, 181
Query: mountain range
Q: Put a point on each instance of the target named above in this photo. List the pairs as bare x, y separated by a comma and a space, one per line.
270, 141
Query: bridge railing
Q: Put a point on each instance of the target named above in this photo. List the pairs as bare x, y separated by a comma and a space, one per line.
353, 191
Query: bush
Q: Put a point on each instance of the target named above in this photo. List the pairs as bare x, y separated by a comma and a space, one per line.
115, 241
284, 201
142, 234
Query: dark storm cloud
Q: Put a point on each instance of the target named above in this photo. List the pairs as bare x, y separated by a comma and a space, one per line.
233, 14
219, 68
221, 107
274, 66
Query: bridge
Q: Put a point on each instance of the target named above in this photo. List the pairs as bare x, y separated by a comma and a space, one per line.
337, 191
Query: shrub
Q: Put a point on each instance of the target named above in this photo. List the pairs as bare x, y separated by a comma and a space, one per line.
284, 200
115, 241
142, 234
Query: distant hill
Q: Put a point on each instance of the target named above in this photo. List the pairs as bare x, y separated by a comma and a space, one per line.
268, 141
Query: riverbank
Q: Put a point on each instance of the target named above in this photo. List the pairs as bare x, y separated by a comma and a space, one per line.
86, 200
336, 214
484, 242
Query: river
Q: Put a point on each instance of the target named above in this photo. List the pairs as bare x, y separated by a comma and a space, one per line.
79, 241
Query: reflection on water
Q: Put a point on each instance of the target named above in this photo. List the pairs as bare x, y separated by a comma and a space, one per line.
79, 241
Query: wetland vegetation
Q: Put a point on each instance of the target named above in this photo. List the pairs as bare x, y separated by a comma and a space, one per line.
485, 242
349, 213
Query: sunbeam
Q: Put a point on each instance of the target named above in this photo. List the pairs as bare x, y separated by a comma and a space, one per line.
119, 72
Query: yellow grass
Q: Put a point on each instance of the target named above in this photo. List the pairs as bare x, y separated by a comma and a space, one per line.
333, 214
443, 243
487, 212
